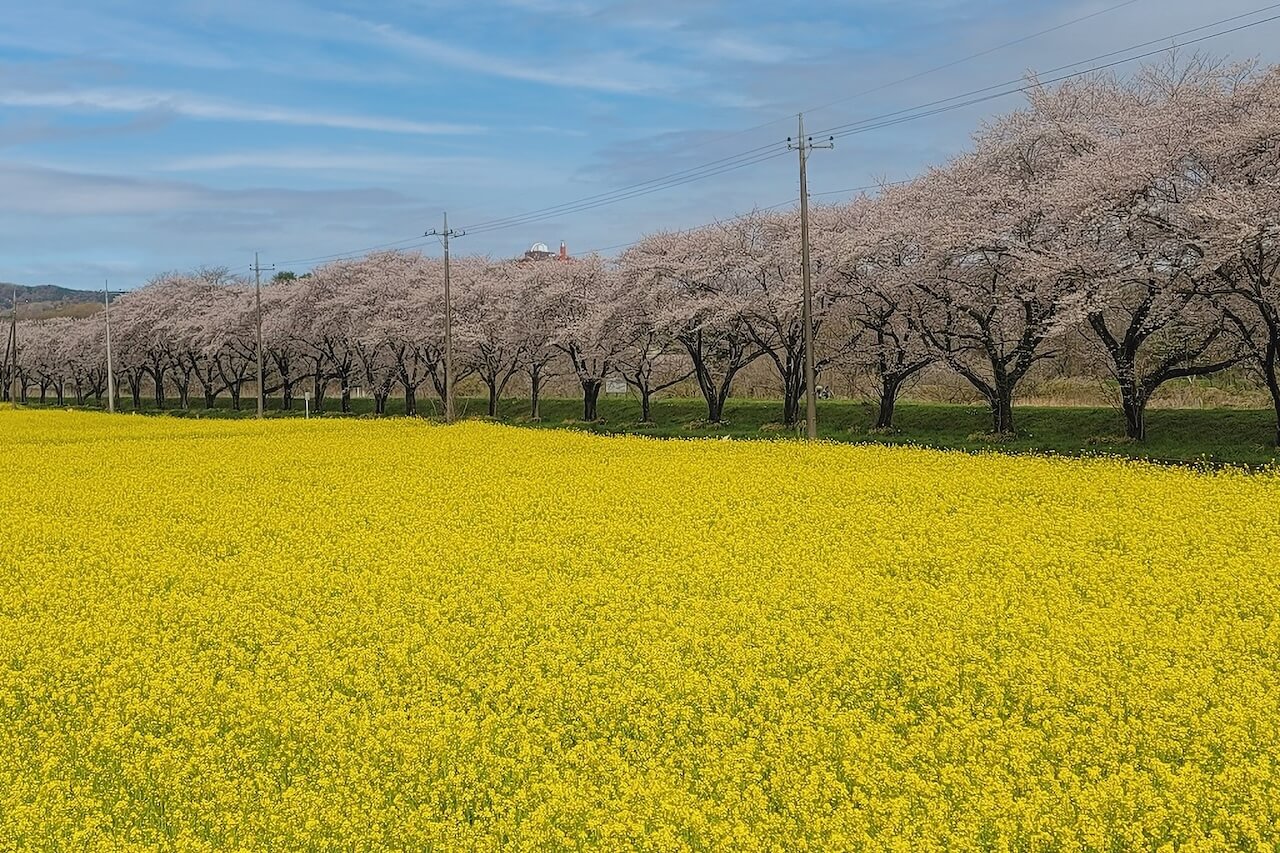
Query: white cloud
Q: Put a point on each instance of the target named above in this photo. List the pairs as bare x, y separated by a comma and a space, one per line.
740, 48
198, 107
321, 161
42, 191
612, 72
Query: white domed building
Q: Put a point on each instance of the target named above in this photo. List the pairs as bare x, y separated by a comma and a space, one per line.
542, 252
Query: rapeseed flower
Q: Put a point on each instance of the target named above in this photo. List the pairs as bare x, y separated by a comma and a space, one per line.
336, 634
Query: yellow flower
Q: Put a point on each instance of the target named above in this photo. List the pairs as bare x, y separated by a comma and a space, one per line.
367, 635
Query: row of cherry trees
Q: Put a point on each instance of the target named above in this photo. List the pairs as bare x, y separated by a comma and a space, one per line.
1143, 215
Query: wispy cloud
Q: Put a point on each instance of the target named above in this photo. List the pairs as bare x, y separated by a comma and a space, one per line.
741, 48
613, 72
305, 160
39, 190
199, 107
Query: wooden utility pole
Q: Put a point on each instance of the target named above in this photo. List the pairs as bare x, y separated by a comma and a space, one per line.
13, 351
257, 321
804, 145
445, 235
111, 373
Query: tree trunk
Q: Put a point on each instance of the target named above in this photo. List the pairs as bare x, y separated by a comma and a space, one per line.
1135, 416
715, 407
1271, 375
286, 396
493, 397
790, 408
210, 398
346, 396
646, 403
535, 392
793, 391
590, 399
235, 396
379, 403
410, 401
159, 382
889, 387
1002, 409
1275, 402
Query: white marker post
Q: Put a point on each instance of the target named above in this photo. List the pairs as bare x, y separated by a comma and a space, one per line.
306, 405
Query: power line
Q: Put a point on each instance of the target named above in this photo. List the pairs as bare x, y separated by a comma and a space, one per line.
765, 153
765, 209
522, 219
1031, 86
972, 56
864, 188
631, 243
978, 55
416, 243
353, 252
885, 120
679, 176
695, 173
634, 194
890, 118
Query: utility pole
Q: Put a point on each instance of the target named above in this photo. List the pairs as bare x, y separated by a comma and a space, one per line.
111, 374
257, 306
13, 351
445, 235
805, 144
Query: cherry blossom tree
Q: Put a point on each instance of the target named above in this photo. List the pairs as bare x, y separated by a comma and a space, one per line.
764, 250
705, 313
1242, 215
536, 329
991, 309
1133, 233
41, 356
283, 299
582, 296
83, 344
652, 361
350, 311
487, 335
875, 265
1140, 214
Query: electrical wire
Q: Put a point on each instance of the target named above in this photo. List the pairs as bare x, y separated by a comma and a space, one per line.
789, 201
952, 64
641, 185
353, 252
875, 122
909, 114
671, 184
769, 152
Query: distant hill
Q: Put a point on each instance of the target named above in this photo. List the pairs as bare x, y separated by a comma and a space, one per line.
48, 300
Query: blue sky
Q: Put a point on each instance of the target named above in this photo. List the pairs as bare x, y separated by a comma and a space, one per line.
137, 137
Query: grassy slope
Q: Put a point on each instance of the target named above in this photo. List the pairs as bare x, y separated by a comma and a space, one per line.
1215, 436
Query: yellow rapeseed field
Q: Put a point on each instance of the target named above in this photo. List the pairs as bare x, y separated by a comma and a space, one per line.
359, 635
